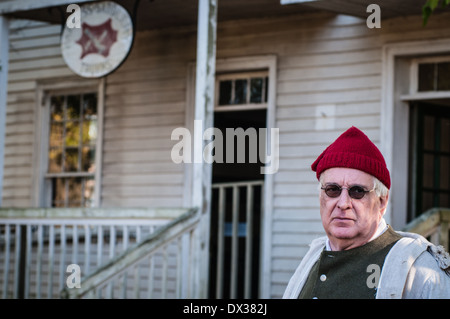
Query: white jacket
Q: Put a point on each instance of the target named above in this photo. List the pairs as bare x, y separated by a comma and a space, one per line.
413, 269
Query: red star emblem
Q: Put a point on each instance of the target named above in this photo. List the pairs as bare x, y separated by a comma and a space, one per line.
97, 39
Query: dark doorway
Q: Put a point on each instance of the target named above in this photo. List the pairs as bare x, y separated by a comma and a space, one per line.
430, 156
236, 212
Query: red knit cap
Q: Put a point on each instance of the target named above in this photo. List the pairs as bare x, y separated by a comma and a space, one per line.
353, 149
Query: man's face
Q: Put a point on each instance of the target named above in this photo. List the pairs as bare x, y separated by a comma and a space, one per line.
350, 222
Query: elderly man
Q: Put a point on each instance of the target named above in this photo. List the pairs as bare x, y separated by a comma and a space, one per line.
361, 256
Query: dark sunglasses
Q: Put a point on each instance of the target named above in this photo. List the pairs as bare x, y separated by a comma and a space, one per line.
334, 190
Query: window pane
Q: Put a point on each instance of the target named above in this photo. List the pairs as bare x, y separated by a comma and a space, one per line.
256, 86
71, 160
56, 108
225, 92
444, 200
88, 195
75, 191
240, 92
427, 201
426, 76
56, 134
72, 133
266, 89
428, 170
55, 160
445, 135
444, 173
443, 76
89, 132
59, 192
88, 160
428, 139
73, 107
90, 106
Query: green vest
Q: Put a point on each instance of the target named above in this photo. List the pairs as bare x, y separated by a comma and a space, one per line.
349, 274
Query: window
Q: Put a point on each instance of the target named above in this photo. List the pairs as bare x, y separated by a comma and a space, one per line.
430, 76
429, 98
241, 91
434, 76
431, 123
72, 146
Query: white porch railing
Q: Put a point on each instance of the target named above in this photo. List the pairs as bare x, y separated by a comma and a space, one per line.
238, 208
434, 224
38, 245
167, 256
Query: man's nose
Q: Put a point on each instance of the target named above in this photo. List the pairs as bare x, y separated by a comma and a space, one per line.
345, 201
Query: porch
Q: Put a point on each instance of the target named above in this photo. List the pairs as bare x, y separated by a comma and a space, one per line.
111, 253
41, 247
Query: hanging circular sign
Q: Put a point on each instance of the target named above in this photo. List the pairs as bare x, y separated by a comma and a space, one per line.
100, 41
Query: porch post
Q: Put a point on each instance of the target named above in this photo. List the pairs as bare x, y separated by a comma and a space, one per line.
4, 60
204, 112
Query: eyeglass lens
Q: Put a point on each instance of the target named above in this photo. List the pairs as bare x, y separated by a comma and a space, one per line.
356, 192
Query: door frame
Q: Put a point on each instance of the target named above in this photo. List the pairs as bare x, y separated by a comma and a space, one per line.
398, 73
247, 63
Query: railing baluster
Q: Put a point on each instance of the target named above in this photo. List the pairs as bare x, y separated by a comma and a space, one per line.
179, 268
235, 243
51, 260
137, 269
87, 249
248, 243
125, 275
62, 257
39, 256
220, 243
164, 272
99, 244
150, 277
112, 247
192, 260
75, 244
99, 253
29, 239
6, 261
17, 260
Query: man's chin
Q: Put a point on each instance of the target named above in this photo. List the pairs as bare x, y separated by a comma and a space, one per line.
343, 233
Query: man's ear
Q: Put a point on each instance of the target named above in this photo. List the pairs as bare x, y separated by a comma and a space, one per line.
384, 202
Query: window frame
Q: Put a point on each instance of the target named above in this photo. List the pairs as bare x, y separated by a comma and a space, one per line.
238, 76
42, 179
414, 78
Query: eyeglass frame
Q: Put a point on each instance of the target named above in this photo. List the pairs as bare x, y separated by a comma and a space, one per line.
348, 190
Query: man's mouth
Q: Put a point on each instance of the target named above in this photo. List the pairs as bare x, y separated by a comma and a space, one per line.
342, 219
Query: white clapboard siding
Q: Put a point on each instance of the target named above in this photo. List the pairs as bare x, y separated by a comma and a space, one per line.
145, 102
34, 55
